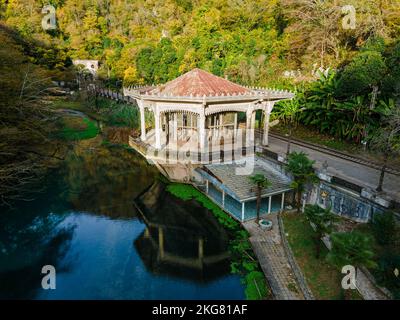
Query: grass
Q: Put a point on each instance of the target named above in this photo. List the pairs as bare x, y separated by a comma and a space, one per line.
313, 136
243, 259
63, 103
323, 279
77, 128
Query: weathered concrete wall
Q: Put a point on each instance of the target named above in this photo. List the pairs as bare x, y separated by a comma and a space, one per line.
345, 198
345, 202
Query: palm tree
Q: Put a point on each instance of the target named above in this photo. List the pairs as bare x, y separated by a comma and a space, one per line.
351, 248
261, 183
387, 140
322, 219
301, 167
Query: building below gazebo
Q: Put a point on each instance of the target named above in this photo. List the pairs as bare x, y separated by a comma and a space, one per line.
237, 195
198, 111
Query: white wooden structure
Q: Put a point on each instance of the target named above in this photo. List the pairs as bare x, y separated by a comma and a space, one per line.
199, 107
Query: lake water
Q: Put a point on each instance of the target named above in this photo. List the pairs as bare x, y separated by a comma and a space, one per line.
106, 223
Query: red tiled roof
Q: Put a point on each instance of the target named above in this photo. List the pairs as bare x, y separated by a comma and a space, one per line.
198, 82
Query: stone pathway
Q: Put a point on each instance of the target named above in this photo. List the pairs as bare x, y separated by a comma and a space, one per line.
271, 255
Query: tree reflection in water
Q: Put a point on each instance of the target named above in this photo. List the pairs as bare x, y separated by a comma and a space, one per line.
105, 180
85, 225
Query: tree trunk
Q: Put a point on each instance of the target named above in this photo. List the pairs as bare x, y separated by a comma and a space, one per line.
289, 141
258, 203
347, 294
298, 200
380, 184
318, 246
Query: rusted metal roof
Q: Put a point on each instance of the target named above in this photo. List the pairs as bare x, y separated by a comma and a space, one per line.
240, 187
198, 82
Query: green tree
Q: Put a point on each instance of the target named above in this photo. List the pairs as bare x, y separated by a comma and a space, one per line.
386, 140
351, 248
301, 168
261, 183
322, 220
391, 82
363, 73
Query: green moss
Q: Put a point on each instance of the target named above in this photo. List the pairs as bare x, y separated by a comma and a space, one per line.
256, 287
78, 129
187, 192
243, 262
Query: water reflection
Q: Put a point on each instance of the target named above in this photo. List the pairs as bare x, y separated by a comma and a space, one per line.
26, 245
102, 246
105, 180
181, 239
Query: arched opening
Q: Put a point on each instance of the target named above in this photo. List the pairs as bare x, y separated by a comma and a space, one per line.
179, 127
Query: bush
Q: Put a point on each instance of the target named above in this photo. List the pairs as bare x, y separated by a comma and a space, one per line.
385, 272
384, 228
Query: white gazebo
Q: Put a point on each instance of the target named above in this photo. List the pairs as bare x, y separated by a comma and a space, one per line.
199, 108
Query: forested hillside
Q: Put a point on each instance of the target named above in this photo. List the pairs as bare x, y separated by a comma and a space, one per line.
250, 41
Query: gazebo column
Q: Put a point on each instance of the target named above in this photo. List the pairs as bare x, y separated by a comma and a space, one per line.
266, 128
269, 204
202, 130
267, 112
253, 124
221, 127
243, 210
157, 129
175, 126
283, 201
235, 123
249, 126
142, 121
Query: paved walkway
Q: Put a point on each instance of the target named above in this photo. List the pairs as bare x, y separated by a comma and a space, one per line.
353, 172
271, 255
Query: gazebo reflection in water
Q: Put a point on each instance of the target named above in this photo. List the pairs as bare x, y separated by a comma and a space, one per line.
178, 242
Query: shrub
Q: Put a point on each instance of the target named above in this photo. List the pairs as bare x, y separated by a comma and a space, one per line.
385, 272
384, 228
